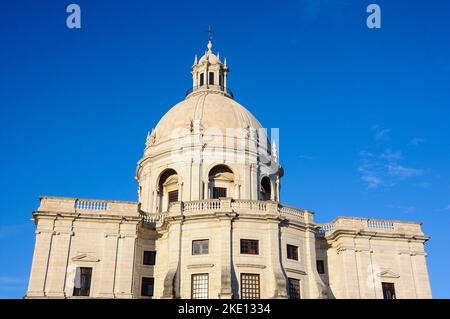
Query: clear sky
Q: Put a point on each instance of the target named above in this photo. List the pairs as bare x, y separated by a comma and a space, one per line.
363, 114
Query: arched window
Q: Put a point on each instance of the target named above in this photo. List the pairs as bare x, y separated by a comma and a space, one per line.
168, 189
221, 182
266, 189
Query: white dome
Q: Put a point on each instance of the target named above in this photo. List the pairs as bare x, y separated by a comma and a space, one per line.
214, 110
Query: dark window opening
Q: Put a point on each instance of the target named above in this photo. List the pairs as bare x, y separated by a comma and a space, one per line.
82, 284
200, 247
250, 286
149, 258
292, 252
147, 286
320, 266
294, 288
173, 196
221, 80
211, 78
388, 290
219, 192
202, 79
249, 247
199, 286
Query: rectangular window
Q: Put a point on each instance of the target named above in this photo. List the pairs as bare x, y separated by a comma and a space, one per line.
320, 266
249, 247
292, 252
294, 288
149, 258
82, 284
202, 79
250, 286
388, 290
173, 196
199, 286
200, 247
211, 78
219, 192
147, 286
221, 80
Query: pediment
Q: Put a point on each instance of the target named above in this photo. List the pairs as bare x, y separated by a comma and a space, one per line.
388, 274
85, 257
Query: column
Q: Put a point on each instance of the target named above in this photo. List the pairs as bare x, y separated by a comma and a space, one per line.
39, 267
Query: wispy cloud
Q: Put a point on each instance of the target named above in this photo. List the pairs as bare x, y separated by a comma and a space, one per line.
306, 157
416, 141
384, 168
381, 134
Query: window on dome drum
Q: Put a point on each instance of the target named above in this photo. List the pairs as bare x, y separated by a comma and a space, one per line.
221, 80
211, 78
249, 247
320, 266
199, 286
202, 79
219, 192
388, 290
147, 286
149, 258
250, 286
173, 196
292, 252
82, 284
294, 288
200, 247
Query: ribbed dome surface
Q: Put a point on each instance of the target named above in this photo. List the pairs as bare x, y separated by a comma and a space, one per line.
214, 110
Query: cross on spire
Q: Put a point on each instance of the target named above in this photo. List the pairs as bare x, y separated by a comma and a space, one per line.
210, 33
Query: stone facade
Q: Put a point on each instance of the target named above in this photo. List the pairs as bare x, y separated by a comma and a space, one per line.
209, 210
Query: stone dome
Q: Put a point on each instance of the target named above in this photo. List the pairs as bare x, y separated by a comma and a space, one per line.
214, 110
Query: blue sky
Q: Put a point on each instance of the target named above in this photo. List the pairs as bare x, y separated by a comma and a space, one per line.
363, 114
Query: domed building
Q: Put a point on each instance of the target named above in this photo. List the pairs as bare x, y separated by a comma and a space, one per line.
209, 223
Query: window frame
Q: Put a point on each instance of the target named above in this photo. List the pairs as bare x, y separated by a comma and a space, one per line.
249, 249
391, 289
83, 292
249, 292
321, 269
292, 249
169, 200
201, 252
152, 280
291, 288
152, 252
195, 287
218, 189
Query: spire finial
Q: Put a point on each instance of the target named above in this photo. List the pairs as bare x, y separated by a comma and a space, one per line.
210, 36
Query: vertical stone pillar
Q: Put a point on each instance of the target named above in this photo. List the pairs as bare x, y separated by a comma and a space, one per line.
108, 265
39, 266
277, 279
125, 264
58, 262
171, 287
225, 230
423, 289
125, 261
254, 182
315, 283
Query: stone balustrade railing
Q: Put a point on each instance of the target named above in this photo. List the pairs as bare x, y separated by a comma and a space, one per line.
232, 205
89, 206
370, 225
